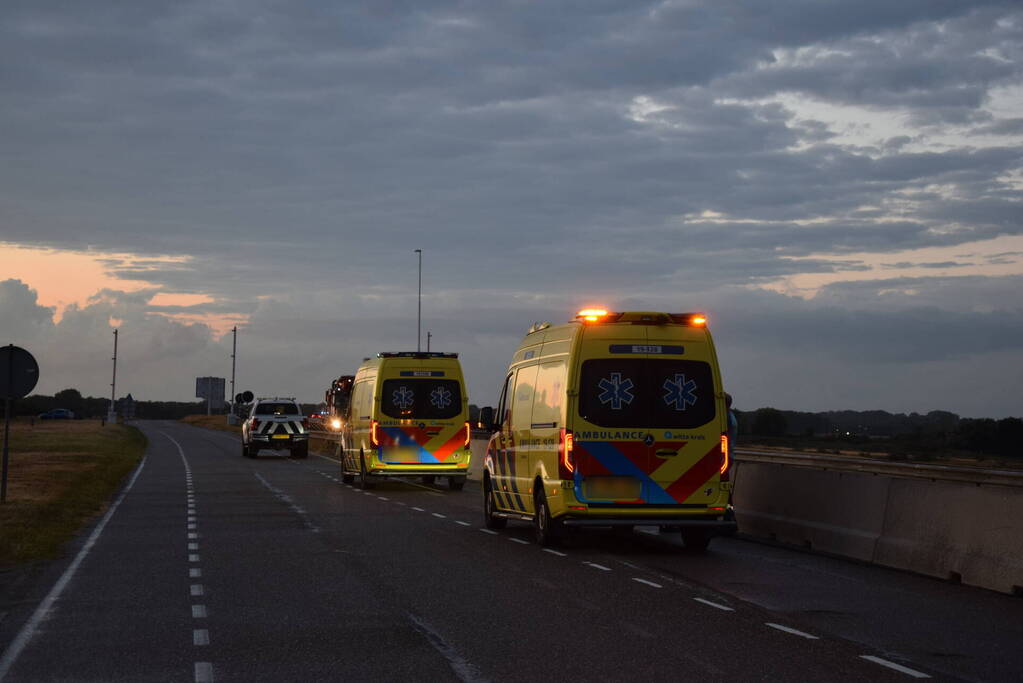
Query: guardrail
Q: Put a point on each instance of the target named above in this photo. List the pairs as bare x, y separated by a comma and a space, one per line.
890, 468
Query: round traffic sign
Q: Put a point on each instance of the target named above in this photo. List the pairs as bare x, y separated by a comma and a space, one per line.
247, 396
19, 372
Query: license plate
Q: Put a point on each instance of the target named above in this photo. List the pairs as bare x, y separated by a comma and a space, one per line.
281, 436
402, 454
611, 488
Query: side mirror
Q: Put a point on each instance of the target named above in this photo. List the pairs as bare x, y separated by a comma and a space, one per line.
487, 418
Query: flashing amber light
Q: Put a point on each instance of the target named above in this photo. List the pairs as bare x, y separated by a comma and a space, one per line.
591, 315
699, 320
566, 468
725, 454
373, 433
468, 435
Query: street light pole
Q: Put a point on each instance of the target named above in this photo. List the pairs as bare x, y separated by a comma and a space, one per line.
419, 306
112, 416
234, 352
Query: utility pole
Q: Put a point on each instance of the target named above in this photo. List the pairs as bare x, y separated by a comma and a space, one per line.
428, 335
112, 415
419, 307
234, 352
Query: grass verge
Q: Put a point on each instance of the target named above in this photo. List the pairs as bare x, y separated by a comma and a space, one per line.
212, 422
62, 474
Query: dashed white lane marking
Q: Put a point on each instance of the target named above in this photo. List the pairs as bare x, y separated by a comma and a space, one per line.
398, 502
290, 502
518, 540
195, 589
552, 551
714, 604
793, 631
649, 583
200, 636
383, 498
32, 625
458, 521
193, 558
488, 531
598, 566
463, 669
191, 526
192, 534
198, 611
194, 573
439, 515
419, 509
193, 546
203, 672
897, 667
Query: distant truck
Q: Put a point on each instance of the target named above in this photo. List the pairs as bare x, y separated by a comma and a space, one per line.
337, 399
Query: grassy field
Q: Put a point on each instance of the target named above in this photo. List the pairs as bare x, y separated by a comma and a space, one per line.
212, 422
62, 474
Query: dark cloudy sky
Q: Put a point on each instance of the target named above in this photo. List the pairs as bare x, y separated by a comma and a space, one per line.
837, 184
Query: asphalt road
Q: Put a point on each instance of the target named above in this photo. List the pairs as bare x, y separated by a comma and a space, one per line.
216, 567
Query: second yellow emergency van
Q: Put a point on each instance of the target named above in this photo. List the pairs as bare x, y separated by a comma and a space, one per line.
407, 418
614, 419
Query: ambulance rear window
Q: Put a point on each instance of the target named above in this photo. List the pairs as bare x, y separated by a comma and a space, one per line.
421, 399
646, 392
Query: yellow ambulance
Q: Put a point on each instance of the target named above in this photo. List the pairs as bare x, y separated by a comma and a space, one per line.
614, 420
407, 418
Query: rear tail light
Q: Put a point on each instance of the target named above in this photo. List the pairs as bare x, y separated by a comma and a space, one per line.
566, 466
468, 435
254, 423
726, 457
373, 439
305, 422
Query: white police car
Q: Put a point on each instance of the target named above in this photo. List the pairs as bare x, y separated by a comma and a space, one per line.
275, 423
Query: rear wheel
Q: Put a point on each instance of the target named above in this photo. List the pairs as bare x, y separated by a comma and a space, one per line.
364, 482
456, 483
696, 539
489, 519
548, 530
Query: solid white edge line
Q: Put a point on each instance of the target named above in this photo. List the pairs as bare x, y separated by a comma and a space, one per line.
203, 672
793, 631
32, 625
714, 604
897, 667
649, 583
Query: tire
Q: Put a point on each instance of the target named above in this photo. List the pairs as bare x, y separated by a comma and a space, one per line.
301, 451
347, 478
489, 520
456, 483
548, 531
364, 483
696, 540
245, 450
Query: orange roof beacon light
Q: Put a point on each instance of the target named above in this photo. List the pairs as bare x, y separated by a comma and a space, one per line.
699, 319
591, 315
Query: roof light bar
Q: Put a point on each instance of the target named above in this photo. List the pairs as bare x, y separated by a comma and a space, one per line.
416, 354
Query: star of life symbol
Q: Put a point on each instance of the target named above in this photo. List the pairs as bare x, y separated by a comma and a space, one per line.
440, 398
616, 391
679, 392
403, 397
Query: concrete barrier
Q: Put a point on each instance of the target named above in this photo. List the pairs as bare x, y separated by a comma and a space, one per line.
962, 531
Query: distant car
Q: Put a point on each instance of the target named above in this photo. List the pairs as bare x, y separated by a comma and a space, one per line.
275, 423
57, 414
